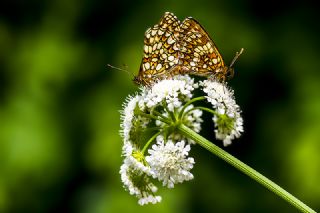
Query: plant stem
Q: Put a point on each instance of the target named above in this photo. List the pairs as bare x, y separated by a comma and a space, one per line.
244, 168
149, 141
155, 112
188, 103
171, 114
153, 117
202, 108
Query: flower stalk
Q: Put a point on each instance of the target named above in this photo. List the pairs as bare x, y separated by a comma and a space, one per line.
244, 168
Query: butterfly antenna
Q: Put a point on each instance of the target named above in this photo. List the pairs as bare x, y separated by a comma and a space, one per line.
120, 69
236, 57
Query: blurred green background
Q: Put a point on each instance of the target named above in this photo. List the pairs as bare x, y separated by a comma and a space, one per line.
59, 121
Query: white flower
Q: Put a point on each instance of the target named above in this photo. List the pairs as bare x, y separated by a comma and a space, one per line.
228, 128
192, 119
165, 98
127, 149
132, 124
149, 199
173, 92
138, 184
134, 176
127, 116
150, 124
228, 120
169, 162
220, 96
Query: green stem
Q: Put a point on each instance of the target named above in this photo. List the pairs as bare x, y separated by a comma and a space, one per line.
171, 114
202, 108
161, 116
149, 141
152, 117
188, 103
244, 168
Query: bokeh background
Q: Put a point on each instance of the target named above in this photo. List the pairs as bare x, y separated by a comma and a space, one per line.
60, 150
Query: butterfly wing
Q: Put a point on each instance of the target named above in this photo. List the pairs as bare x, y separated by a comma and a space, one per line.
198, 52
160, 50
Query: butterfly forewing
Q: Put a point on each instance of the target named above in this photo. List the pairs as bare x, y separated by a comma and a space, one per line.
198, 52
160, 50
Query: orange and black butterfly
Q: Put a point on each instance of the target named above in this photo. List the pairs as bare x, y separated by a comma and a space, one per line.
172, 48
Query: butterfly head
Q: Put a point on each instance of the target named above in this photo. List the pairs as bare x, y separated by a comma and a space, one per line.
137, 80
229, 73
223, 74
140, 81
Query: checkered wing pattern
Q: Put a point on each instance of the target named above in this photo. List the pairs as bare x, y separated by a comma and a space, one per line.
172, 48
161, 50
198, 53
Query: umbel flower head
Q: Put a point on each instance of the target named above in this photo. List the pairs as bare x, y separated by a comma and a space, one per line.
227, 118
154, 148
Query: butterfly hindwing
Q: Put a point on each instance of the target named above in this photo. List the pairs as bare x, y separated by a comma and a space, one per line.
198, 52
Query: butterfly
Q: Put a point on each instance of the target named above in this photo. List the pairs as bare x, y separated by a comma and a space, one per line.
172, 47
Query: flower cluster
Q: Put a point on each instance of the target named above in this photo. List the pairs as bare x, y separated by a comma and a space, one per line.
227, 118
146, 115
154, 148
169, 163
